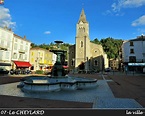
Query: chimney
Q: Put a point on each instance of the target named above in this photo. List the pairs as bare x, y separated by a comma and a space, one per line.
24, 37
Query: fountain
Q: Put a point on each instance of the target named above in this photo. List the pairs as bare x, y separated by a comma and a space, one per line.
57, 80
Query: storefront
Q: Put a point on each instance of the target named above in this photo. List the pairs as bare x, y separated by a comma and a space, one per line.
5, 65
21, 64
136, 67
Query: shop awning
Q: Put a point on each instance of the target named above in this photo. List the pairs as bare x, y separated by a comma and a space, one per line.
22, 64
65, 66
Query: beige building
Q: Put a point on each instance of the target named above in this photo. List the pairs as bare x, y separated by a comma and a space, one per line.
41, 59
85, 55
114, 64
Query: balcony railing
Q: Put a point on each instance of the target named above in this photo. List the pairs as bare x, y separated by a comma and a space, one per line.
22, 51
3, 47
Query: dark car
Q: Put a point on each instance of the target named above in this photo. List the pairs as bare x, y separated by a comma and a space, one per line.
28, 72
3, 71
16, 71
12, 71
108, 69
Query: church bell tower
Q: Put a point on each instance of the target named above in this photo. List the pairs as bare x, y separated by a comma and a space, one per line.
82, 48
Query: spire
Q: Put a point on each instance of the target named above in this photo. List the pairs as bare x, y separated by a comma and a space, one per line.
83, 17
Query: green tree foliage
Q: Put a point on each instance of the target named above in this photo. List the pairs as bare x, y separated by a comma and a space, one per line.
111, 46
96, 41
33, 45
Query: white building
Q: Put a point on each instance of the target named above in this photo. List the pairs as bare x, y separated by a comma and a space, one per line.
14, 50
133, 53
6, 38
20, 52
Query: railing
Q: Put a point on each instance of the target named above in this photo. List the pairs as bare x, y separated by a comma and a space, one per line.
22, 50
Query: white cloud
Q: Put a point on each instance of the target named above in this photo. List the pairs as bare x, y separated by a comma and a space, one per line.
47, 32
116, 6
139, 22
5, 18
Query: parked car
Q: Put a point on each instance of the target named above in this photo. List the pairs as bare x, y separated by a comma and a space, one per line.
108, 69
28, 71
17, 71
12, 71
4, 71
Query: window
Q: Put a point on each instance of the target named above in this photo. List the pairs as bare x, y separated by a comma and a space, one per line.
72, 62
21, 56
2, 42
15, 46
1, 55
95, 62
32, 53
132, 59
15, 39
81, 44
15, 55
26, 48
7, 55
32, 59
25, 56
81, 29
8, 44
131, 43
131, 51
21, 47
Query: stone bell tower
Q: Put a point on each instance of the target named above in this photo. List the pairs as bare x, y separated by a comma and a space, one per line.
82, 48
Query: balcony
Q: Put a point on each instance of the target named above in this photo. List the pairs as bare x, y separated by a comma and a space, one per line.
22, 51
3, 47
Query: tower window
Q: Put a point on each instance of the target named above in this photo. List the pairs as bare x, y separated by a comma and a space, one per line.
81, 43
95, 62
73, 62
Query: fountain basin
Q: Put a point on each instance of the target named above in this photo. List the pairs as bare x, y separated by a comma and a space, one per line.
48, 84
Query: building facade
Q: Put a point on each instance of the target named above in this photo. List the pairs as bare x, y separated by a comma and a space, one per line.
41, 59
20, 52
14, 50
6, 38
85, 55
133, 54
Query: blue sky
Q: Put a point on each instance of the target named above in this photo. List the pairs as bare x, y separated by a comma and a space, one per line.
44, 21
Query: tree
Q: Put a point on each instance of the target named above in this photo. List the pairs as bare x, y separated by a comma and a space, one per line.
96, 41
111, 46
33, 45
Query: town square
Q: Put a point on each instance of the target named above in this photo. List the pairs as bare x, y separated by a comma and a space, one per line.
66, 59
